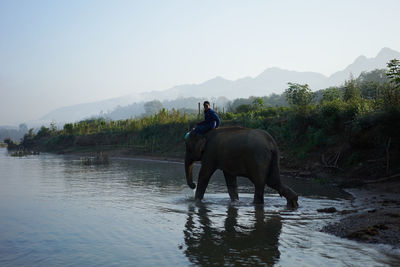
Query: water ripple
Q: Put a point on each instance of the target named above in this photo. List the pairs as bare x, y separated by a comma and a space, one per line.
134, 212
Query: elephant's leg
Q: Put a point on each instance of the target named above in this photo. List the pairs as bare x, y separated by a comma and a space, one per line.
204, 178
231, 183
257, 176
259, 193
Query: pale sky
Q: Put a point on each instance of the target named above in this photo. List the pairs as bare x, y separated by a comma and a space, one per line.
59, 53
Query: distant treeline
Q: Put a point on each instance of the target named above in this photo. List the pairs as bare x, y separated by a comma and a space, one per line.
184, 105
367, 82
339, 127
159, 132
13, 134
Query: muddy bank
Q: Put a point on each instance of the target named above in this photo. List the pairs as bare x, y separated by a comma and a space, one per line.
374, 218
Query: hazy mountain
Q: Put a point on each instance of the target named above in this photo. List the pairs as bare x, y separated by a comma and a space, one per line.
361, 64
272, 80
85, 110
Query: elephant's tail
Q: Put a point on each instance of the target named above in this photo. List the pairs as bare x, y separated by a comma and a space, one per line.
273, 179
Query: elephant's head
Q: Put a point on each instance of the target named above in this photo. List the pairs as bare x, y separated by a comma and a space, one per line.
195, 144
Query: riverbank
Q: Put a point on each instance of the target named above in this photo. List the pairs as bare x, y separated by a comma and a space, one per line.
375, 217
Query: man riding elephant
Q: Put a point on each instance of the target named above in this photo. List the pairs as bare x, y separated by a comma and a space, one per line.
237, 151
211, 120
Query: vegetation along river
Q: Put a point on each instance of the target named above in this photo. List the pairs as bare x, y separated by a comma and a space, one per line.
56, 211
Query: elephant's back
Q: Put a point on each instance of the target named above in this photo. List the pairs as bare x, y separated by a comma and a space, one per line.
240, 139
237, 149
243, 134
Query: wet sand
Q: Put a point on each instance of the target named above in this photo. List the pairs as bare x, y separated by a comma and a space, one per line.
375, 217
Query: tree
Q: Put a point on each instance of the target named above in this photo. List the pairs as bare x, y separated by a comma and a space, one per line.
23, 128
299, 95
351, 90
68, 128
377, 76
391, 93
152, 107
43, 132
27, 141
394, 72
258, 103
331, 94
53, 127
243, 108
232, 106
371, 83
275, 100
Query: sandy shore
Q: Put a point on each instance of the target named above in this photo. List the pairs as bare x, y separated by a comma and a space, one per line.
375, 217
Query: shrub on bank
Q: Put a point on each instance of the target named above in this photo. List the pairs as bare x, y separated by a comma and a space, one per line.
349, 116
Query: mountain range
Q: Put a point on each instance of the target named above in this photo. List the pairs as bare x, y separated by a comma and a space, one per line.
272, 80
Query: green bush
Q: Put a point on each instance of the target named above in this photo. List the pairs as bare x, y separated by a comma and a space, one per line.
299, 96
331, 94
303, 127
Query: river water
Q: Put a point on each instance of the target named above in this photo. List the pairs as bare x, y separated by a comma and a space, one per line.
54, 211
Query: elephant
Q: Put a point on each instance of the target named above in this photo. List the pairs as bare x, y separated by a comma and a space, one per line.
237, 151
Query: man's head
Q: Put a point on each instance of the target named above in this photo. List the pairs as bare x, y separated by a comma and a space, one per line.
206, 105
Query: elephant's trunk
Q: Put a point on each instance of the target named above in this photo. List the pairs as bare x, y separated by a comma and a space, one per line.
189, 172
290, 195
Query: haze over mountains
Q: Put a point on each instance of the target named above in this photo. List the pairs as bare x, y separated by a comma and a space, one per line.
272, 80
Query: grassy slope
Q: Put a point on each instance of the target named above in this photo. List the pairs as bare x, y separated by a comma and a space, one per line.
324, 139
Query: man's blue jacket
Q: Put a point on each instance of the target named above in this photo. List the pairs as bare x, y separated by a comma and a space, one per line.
211, 119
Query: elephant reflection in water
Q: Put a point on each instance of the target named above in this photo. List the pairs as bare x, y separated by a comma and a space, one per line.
235, 244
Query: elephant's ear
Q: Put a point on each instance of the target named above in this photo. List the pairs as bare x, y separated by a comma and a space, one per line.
199, 147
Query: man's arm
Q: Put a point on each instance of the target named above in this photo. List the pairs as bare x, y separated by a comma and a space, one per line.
216, 118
